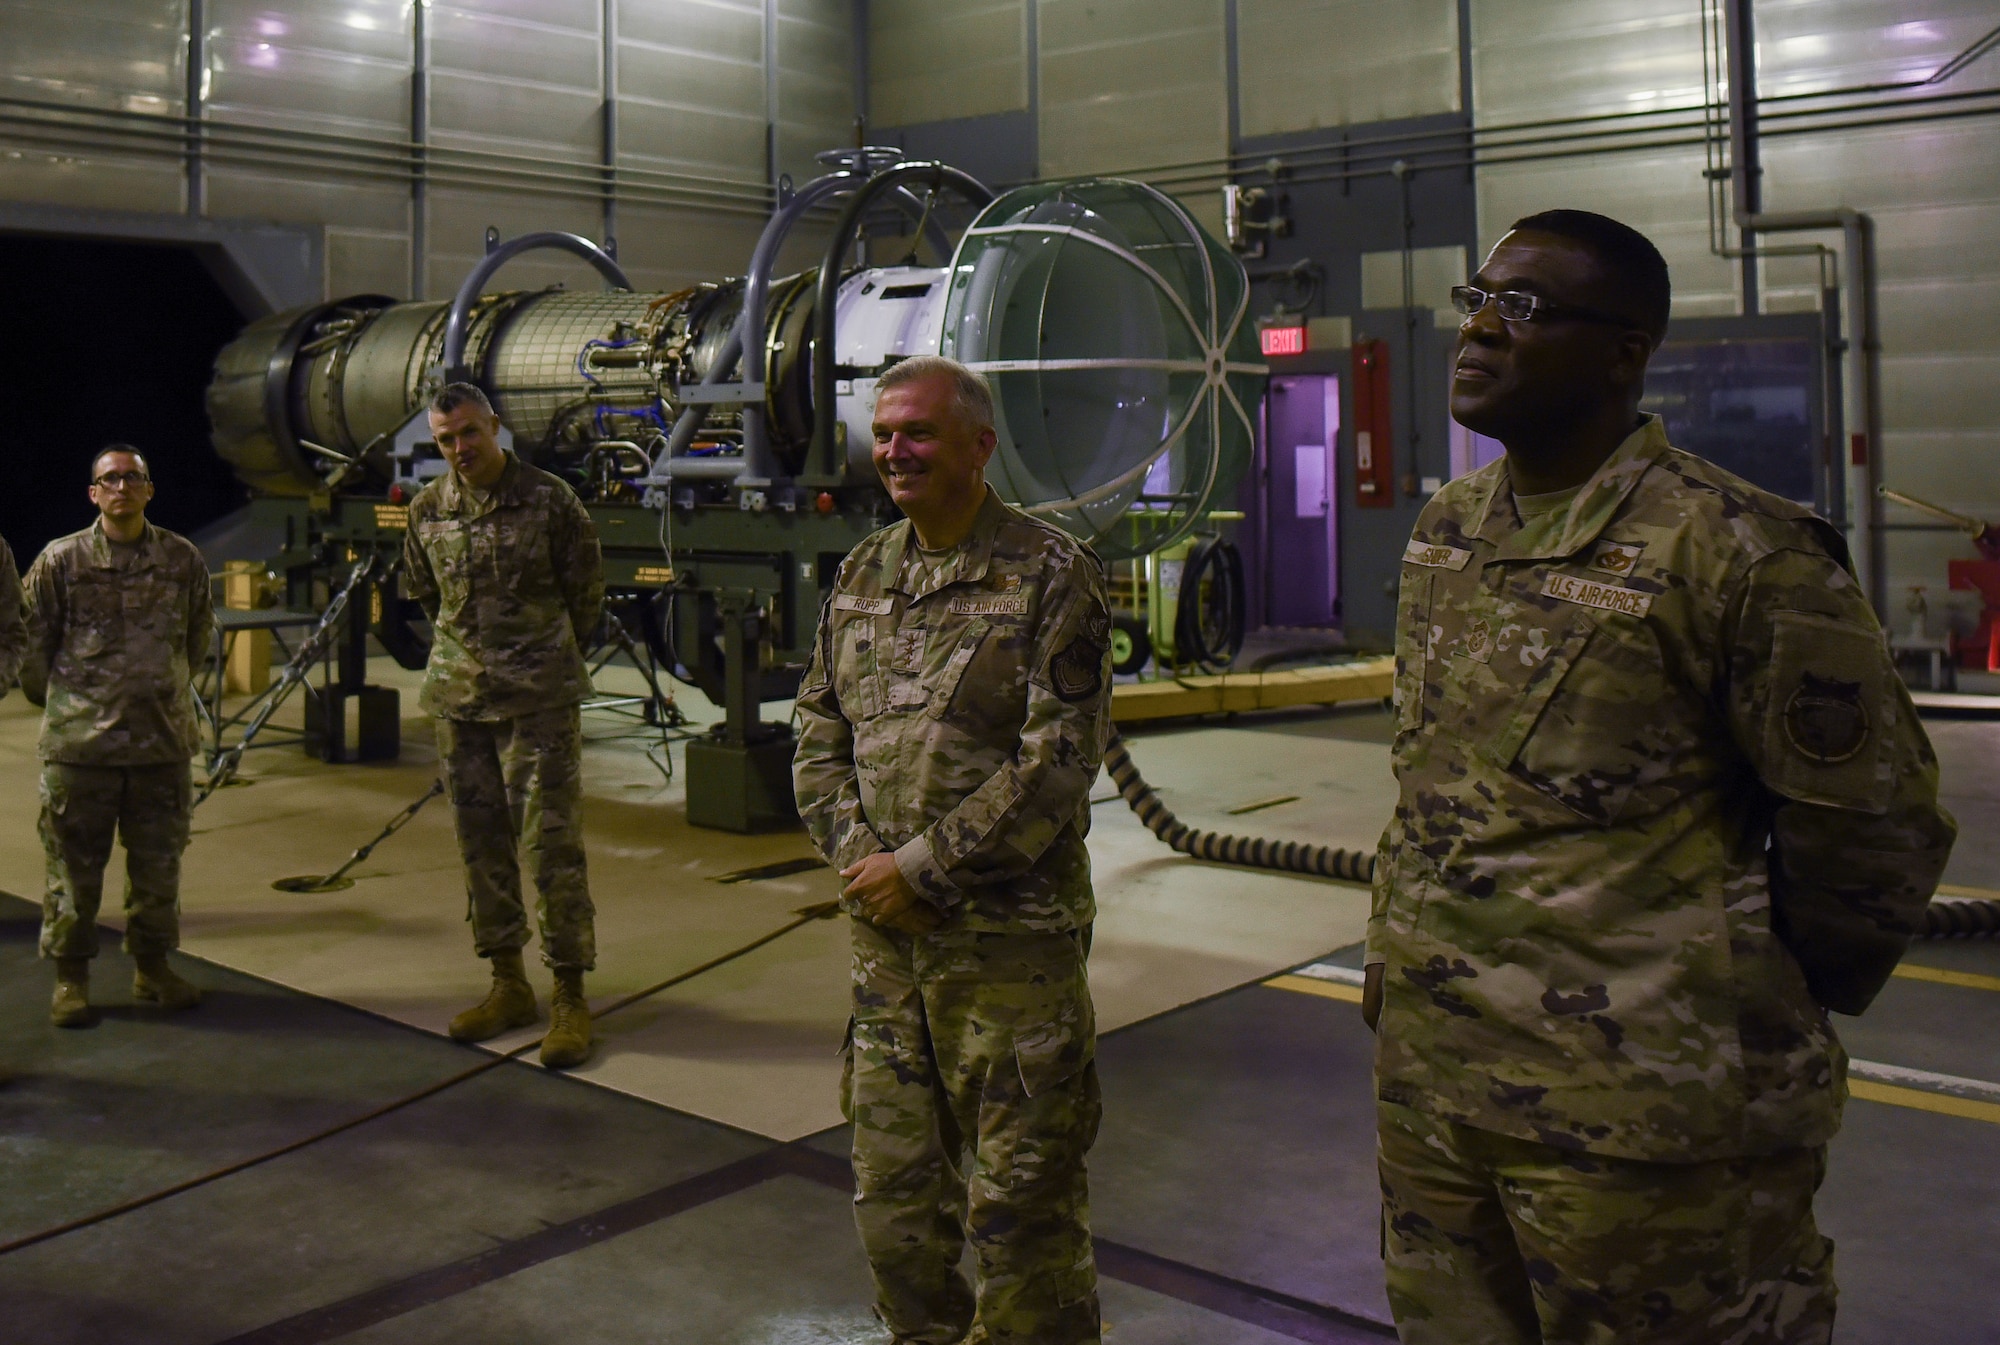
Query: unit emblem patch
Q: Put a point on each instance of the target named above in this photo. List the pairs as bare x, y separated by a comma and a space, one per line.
1615, 558
1825, 720
1077, 671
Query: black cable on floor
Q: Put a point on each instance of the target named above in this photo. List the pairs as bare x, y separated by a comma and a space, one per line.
1944, 918
806, 916
1257, 852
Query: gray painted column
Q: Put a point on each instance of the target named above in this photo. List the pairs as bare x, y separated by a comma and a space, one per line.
420, 134
609, 25
195, 104
771, 92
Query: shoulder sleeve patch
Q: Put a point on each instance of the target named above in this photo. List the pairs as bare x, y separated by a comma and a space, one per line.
1831, 710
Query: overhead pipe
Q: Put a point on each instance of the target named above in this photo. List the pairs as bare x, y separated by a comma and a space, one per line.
1858, 262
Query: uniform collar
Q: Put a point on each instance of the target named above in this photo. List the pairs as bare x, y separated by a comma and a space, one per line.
1590, 513
970, 559
100, 547
458, 498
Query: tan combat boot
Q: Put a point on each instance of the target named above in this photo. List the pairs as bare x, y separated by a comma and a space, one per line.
568, 1042
508, 1005
154, 982
70, 1006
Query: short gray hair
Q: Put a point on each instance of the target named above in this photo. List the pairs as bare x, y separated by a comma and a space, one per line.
454, 395
971, 394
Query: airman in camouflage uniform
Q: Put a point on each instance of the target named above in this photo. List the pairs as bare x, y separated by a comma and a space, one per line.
117, 614
953, 718
13, 619
1664, 803
506, 562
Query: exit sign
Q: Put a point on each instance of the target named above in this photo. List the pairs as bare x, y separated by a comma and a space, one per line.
1282, 340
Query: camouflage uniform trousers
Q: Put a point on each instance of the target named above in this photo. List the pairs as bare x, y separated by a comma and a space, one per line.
147, 807
972, 1086
1493, 1240
518, 783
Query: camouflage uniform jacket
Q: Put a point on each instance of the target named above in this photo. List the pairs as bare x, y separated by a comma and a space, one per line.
959, 717
1662, 798
513, 586
110, 643
13, 619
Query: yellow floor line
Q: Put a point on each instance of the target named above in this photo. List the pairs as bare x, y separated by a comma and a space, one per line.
1970, 980
1972, 1109
1306, 985
1976, 893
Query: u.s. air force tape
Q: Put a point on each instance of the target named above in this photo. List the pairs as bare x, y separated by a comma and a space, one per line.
1436, 555
992, 604
1588, 593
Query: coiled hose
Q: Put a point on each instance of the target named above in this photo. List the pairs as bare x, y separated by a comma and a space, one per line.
1257, 852
1955, 917
1944, 918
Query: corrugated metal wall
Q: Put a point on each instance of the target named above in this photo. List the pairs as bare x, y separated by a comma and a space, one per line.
1932, 189
939, 60
309, 111
1308, 64
1128, 85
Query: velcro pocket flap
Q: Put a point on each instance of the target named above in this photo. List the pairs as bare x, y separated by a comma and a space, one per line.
954, 668
1057, 1047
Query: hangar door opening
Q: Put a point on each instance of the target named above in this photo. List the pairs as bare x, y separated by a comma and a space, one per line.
107, 342
1300, 546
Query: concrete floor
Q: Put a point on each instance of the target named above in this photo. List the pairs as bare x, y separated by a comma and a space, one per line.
699, 1194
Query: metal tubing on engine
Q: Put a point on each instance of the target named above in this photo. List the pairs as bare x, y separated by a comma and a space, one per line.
455, 370
940, 174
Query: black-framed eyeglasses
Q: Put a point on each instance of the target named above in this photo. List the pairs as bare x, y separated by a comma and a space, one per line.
122, 480
1520, 306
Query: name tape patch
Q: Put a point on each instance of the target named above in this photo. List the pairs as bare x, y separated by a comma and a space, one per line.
854, 602
1589, 593
1436, 556
1012, 604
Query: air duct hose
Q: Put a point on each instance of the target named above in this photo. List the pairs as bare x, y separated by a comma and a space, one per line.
1947, 918
1943, 918
1257, 852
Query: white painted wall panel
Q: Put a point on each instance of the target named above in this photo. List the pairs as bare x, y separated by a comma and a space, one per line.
816, 49
1536, 59
1659, 194
1306, 64
938, 60
1127, 84
99, 53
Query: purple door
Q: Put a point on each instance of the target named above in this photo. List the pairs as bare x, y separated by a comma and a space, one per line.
1301, 428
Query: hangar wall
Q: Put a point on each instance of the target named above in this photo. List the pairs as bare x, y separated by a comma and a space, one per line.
327, 114
312, 112
1117, 86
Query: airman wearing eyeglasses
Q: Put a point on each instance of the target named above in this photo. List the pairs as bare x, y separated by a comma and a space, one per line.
1664, 804
117, 614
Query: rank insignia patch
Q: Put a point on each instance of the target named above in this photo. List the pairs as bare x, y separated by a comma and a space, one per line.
1615, 558
1825, 720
